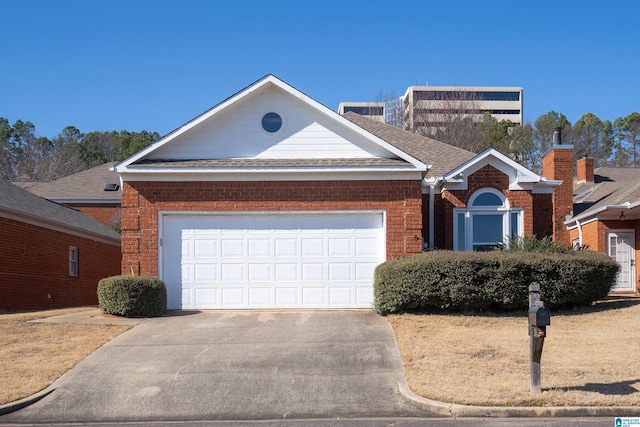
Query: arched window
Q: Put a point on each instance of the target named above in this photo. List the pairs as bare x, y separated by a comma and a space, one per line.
487, 222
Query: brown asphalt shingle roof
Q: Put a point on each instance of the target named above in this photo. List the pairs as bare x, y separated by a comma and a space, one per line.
15, 200
442, 157
86, 185
611, 186
268, 163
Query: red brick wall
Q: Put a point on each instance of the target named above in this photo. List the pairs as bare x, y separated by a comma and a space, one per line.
486, 177
584, 169
557, 164
542, 215
141, 201
594, 235
425, 218
34, 262
107, 214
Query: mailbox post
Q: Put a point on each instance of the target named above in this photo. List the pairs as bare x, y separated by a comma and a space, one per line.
539, 318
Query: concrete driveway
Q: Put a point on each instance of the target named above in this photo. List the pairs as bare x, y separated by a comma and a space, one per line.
235, 365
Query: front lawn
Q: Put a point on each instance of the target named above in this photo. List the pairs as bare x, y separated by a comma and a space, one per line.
34, 355
590, 357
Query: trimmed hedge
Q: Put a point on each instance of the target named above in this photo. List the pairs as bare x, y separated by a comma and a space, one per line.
459, 281
133, 296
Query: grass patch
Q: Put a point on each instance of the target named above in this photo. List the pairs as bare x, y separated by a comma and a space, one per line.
589, 358
36, 354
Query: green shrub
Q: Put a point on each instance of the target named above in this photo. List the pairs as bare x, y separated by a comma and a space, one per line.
457, 281
533, 244
132, 296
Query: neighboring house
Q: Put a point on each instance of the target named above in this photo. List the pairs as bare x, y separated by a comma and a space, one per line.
272, 200
94, 191
371, 110
51, 255
606, 214
430, 107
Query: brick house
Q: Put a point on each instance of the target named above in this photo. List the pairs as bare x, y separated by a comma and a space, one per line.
95, 191
606, 217
272, 200
51, 256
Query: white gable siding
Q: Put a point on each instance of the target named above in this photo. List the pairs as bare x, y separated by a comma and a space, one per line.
237, 133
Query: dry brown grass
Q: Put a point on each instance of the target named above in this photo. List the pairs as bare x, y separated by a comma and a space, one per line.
34, 355
590, 357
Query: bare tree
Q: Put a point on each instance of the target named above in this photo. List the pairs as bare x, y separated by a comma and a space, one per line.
448, 116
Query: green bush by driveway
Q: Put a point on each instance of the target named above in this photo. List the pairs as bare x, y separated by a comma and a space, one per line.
457, 281
129, 296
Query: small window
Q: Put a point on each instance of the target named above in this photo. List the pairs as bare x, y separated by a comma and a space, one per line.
271, 122
487, 199
73, 261
486, 223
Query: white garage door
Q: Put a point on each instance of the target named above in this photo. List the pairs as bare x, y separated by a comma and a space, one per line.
266, 260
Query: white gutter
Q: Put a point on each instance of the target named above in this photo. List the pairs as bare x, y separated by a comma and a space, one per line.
624, 206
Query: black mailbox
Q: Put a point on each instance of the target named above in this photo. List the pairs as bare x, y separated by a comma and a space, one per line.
539, 316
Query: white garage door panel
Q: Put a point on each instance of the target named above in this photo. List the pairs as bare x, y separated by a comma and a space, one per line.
271, 261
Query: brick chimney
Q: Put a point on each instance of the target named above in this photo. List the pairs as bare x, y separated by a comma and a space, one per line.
557, 164
584, 169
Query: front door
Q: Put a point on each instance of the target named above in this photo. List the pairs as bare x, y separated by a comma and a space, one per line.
620, 247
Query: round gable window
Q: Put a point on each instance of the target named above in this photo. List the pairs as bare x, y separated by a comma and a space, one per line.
271, 122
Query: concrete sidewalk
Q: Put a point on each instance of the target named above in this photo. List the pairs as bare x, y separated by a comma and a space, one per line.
242, 365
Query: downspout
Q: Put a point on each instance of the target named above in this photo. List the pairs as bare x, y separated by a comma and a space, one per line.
579, 232
431, 216
431, 183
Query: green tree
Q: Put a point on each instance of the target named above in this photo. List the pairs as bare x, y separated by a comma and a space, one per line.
627, 132
6, 158
592, 138
543, 130
497, 133
132, 142
97, 148
523, 148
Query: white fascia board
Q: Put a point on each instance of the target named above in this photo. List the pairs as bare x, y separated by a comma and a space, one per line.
269, 79
257, 174
85, 201
524, 174
43, 222
192, 123
592, 215
523, 179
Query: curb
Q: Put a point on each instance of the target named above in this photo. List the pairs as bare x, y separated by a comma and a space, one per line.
455, 410
7, 408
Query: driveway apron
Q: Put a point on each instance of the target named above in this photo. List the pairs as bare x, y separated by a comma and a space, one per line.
235, 365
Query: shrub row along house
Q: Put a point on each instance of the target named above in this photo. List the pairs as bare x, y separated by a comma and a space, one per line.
51, 255
272, 200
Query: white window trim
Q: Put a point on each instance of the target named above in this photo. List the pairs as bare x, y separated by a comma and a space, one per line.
73, 261
470, 210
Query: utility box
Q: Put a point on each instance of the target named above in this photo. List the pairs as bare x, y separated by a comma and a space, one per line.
539, 316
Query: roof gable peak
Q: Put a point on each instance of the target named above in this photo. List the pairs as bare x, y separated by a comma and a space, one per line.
302, 114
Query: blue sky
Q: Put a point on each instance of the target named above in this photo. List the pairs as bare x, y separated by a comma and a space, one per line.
155, 64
